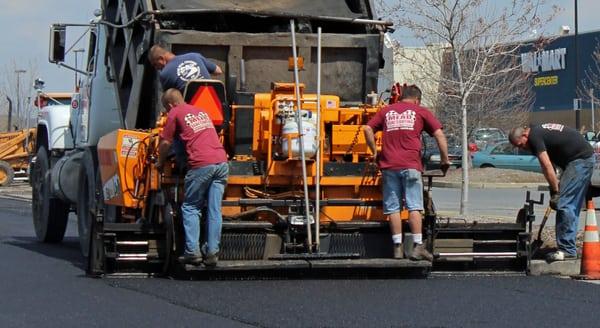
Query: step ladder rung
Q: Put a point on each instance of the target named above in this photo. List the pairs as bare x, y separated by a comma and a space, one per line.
133, 243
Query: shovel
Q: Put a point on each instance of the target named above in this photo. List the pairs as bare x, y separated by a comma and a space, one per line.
537, 244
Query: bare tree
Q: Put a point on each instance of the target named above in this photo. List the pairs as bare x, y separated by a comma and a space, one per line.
17, 84
500, 96
589, 89
472, 61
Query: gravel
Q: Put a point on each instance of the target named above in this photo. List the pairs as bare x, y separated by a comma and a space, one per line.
494, 175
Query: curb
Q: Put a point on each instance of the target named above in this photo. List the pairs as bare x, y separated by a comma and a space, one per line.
559, 268
485, 185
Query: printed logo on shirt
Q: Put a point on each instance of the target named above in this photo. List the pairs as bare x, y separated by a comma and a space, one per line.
198, 122
189, 70
403, 121
553, 127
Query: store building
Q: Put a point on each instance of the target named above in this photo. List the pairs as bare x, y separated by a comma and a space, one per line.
555, 69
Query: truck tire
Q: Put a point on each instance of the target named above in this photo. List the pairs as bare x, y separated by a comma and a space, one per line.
7, 174
50, 214
174, 240
96, 258
87, 202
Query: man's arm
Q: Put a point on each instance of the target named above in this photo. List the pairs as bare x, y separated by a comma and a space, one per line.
163, 152
548, 171
370, 138
440, 138
218, 71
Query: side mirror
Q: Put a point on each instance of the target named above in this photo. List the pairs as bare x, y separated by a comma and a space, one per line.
58, 38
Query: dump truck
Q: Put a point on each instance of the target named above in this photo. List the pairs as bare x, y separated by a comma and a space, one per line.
302, 193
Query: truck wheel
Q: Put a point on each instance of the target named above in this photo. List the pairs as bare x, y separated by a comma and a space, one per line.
96, 258
174, 241
7, 174
167, 213
96, 265
50, 214
86, 206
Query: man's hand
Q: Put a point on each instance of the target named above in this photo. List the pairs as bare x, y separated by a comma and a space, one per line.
375, 158
554, 198
159, 165
444, 166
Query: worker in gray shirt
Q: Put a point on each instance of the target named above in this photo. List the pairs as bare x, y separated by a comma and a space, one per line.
567, 149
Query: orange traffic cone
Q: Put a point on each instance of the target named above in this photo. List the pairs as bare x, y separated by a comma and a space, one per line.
590, 257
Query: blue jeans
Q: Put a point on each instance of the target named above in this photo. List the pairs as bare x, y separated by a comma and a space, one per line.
401, 186
573, 186
204, 184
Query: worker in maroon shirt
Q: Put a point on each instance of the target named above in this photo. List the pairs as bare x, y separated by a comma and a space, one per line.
205, 179
400, 162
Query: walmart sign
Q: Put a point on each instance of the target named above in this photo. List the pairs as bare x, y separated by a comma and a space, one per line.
544, 61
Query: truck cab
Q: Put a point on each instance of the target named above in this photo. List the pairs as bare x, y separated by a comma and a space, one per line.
53, 123
69, 126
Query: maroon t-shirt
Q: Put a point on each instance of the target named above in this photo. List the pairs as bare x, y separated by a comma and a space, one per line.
197, 132
402, 124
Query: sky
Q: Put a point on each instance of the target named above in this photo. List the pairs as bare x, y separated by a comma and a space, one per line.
25, 25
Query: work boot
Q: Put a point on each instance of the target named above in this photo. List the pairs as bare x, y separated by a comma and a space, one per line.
193, 259
211, 260
560, 255
398, 251
420, 253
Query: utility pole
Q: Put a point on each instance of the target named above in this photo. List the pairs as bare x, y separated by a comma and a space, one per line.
10, 109
576, 103
19, 72
592, 100
77, 51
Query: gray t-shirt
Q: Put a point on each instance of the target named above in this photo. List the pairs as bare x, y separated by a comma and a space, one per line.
562, 143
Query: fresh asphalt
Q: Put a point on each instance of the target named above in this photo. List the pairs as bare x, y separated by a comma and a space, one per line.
44, 285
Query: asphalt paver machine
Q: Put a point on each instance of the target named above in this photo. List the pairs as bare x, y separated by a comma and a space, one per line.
302, 193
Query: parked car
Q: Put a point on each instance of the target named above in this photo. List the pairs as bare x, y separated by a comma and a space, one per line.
506, 156
431, 153
591, 138
482, 137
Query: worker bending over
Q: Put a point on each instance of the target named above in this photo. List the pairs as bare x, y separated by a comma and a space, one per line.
205, 179
567, 149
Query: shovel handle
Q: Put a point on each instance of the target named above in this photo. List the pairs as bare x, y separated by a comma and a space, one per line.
546, 215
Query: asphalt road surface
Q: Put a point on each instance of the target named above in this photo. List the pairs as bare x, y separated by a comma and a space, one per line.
44, 285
